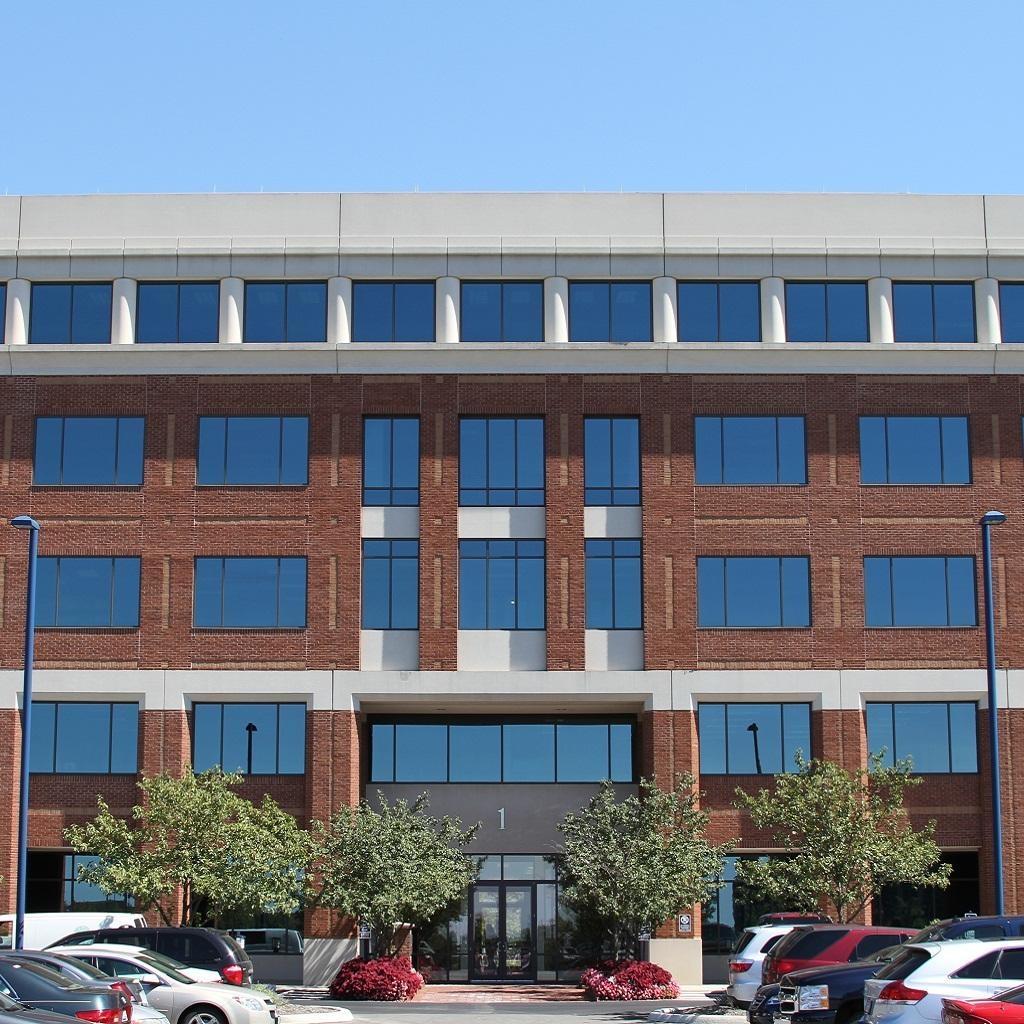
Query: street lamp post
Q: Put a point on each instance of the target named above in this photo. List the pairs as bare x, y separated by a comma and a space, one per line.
26, 523
250, 729
988, 520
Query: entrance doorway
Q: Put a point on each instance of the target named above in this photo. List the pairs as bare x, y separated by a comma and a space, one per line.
502, 930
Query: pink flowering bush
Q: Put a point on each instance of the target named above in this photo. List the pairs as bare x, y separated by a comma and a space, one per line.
387, 978
628, 979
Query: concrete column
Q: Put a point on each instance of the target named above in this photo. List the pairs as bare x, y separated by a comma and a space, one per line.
122, 311
19, 295
446, 311
773, 309
556, 309
665, 313
986, 309
339, 310
232, 300
880, 319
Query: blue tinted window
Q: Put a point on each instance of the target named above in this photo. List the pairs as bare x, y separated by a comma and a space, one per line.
582, 751
937, 737
832, 311
750, 450
613, 584
382, 753
751, 591
391, 460
391, 571
752, 739
421, 752
221, 736
510, 311
610, 311
280, 311
719, 311
89, 450
501, 461
925, 312
399, 311
612, 460
77, 591
250, 593
474, 753
69, 314
922, 591
1011, 312
914, 450
3, 310
171, 312
253, 450
501, 584
85, 737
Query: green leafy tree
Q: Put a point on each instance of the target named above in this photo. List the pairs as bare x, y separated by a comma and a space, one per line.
392, 865
849, 833
196, 834
629, 865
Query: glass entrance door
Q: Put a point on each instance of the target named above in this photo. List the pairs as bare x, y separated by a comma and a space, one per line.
502, 930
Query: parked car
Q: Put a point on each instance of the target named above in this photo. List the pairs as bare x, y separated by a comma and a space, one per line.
910, 988
42, 929
268, 940
13, 1012
971, 926
205, 948
747, 960
1005, 1008
175, 994
42, 989
204, 977
815, 945
764, 1007
793, 917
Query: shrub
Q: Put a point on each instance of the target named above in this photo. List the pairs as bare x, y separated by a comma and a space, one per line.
628, 979
387, 978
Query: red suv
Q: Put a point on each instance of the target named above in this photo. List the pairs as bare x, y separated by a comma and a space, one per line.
816, 945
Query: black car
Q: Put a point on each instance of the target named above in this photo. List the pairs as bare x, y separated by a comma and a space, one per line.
77, 970
42, 989
764, 1007
194, 947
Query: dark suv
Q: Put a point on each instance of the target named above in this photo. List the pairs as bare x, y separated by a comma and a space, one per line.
814, 945
970, 926
194, 947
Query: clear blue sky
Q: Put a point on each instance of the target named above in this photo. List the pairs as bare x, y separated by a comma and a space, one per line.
288, 95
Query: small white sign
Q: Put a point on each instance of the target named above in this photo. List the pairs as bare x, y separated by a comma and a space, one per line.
364, 931
685, 924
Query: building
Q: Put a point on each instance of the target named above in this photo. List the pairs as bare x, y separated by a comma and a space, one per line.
542, 489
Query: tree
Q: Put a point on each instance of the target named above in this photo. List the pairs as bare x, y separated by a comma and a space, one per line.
631, 864
196, 834
392, 866
850, 835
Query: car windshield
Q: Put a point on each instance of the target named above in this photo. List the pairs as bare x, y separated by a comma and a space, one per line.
884, 955
165, 965
933, 933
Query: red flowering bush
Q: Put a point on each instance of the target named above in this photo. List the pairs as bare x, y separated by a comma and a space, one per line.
628, 979
387, 978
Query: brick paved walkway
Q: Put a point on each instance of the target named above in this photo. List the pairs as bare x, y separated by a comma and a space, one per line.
499, 994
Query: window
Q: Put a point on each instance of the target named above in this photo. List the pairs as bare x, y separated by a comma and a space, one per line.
391, 460
1011, 311
280, 311
173, 312
393, 311
926, 312
614, 592
69, 314
611, 460
826, 311
77, 591
501, 584
250, 593
914, 450
501, 461
83, 896
3, 309
752, 739
89, 450
938, 737
86, 736
508, 311
747, 592
496, 750
923, 591
253, 450
255, 739
391, 581
609, 311
719, 311
750, 450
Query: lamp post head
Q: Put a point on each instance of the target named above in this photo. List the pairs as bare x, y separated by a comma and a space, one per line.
752, 727
24, 523
993, 518
251, 727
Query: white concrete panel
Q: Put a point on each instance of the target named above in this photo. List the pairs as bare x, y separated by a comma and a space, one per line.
184, 686
19, 296
613, 521
881, 326
232, 301
501, 523
321, 959
618, 649
390, 522
682, 958
556, 310
986, 308
664, 295
821, 687
502, 650
144, 685
773, 309
339, 310
122, 311
389, 649
446, 310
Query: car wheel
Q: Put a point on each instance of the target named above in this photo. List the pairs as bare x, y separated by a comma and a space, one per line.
202, 1015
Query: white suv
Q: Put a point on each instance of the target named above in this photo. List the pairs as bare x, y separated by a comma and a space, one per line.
910, 988
747, 960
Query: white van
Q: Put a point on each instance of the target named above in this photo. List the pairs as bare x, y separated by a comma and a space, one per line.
42, 930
